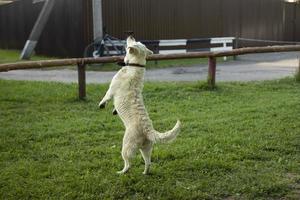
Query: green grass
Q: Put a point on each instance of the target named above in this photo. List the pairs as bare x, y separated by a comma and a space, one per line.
239, 141
9, 56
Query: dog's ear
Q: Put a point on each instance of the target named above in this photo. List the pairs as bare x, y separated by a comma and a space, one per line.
132, 50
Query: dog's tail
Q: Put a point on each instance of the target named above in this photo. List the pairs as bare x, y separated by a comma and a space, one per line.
167, 136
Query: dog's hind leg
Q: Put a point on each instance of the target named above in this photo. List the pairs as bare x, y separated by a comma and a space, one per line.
146, 151
127, 153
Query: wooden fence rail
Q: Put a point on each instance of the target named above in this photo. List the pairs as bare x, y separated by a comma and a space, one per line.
81, 62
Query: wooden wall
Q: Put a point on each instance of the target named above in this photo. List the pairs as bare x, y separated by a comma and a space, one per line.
69, 29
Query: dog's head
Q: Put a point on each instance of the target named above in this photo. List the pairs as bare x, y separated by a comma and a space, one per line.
136, 52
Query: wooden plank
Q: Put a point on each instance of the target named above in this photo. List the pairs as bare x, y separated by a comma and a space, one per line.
58, 63
172, 51
180, 42
222, 40
112, 59
221, 49
241, 51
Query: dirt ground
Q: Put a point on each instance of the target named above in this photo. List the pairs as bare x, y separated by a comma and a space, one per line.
245, 68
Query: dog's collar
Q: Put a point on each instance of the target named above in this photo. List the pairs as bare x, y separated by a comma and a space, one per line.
123, 64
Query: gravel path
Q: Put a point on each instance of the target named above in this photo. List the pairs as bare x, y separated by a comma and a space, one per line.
246, 68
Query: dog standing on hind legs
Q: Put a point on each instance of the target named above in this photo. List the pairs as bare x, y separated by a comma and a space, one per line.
126, 90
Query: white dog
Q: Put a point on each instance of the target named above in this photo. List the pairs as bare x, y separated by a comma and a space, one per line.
126, 90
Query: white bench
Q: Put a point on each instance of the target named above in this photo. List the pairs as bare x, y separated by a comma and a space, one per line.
226, 42
170, 43
175, 46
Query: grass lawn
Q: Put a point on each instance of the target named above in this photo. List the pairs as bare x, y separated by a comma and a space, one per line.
8, 56
240, 141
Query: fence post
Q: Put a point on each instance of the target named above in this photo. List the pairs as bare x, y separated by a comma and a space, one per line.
81, 81
211, 79
236, 46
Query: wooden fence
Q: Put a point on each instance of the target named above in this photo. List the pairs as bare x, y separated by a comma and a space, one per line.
66, 33
82, 62
70, 27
